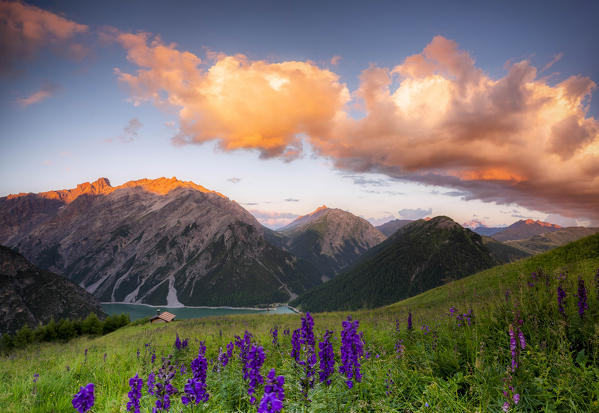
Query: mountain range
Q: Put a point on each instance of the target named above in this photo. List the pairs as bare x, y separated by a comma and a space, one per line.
419, 256
162, 241
170, 242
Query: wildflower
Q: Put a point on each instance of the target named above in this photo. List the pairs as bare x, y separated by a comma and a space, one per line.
506, 406
397, 325
582, 298
275, 336
36, 376
452, 311
135, 394
151, 382
352, 348
425, 329
522, 340
164, 388
388, 382
561, 297
296, 343
153, 357
327, 358
244, 345
274, 394
409, 321
251, 371
84, 400
513, 348
399, 348
516, 398
180, 345
303, 341
195, 388
183, 369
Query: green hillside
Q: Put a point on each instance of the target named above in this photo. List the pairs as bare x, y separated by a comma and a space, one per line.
443, 364
420, 256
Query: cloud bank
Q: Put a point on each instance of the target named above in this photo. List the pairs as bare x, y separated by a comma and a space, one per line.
436, 118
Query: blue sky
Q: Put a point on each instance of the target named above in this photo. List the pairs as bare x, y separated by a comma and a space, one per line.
78, 132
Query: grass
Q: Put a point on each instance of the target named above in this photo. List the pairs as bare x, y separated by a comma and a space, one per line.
451, 368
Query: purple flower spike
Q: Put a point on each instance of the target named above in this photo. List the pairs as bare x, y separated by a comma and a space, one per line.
582, 298
352, 348
274, 394
327, 358
513, 348
409, 321
135, 394
84, 400
561, 297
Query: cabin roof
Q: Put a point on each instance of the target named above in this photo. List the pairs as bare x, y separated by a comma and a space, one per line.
165, 315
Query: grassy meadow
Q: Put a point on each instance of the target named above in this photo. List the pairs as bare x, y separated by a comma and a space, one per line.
456, 358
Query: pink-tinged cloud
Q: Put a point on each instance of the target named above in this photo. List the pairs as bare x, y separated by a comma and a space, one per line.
244, 104
44, 93
435, 118
25, 29
335, 60
553, 61
273, 219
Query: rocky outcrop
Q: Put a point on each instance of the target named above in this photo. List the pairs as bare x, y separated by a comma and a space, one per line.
29, 295
159, 242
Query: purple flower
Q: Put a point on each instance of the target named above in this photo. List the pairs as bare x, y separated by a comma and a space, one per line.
582, 298
36, 376
274, 332
352, 348
195, 392
516, 398
153, 357
327, 358
138, 354
303, 342
296, 345
425, 329
452, 311
251, 370
513, 348
164, 388
274, 394
286, 332
180, 345
561, 297
399, 348
151, 382
135, 383
505, 407
244, 345
522, 340
84, 400
409, 321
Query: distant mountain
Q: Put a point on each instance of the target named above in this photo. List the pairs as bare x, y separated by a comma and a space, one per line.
525, 229
29, 295
390, 227
549, 240
480, 228
419, 256
330, 239
161, 241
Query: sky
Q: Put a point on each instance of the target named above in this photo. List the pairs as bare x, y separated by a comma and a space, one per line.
479, 111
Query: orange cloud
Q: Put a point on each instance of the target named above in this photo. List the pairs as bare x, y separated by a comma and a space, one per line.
435, 118
244, 104
25, 29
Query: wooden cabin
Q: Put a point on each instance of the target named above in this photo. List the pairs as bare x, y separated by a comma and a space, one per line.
162, 317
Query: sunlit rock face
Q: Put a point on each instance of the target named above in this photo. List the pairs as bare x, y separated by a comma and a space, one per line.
157, 241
